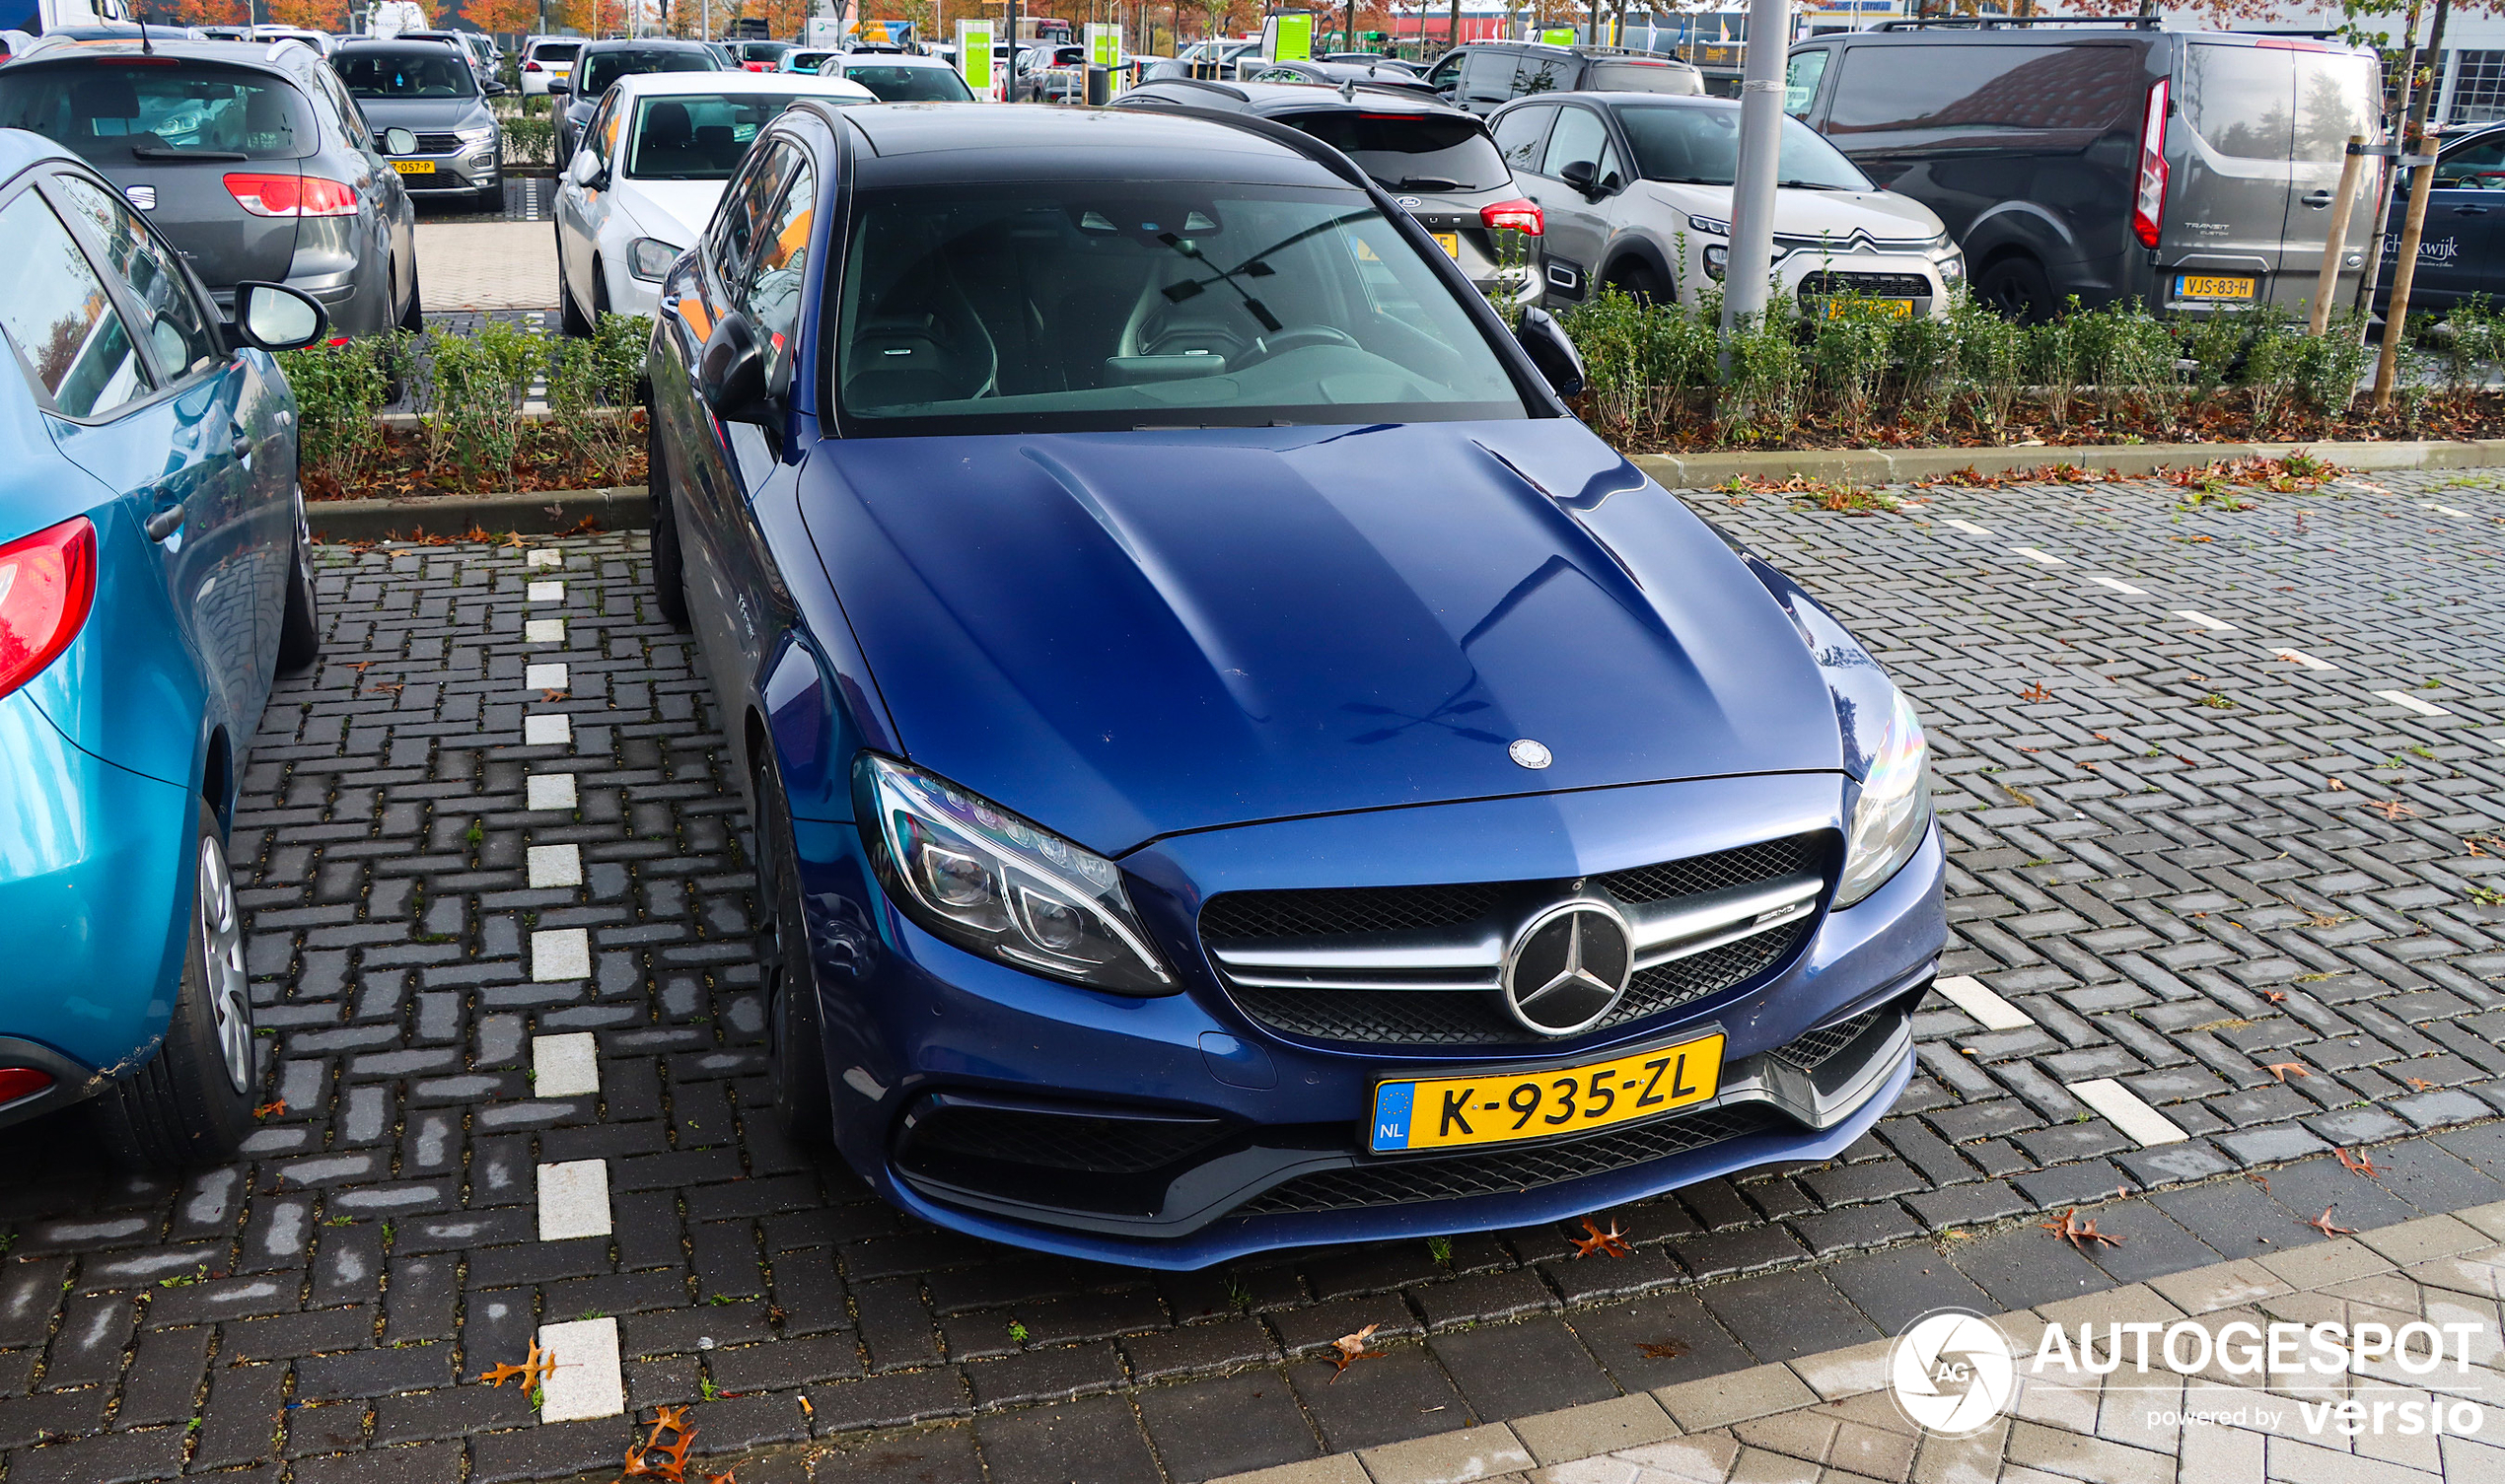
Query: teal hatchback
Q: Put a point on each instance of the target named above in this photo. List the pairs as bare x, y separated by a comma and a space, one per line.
152, 582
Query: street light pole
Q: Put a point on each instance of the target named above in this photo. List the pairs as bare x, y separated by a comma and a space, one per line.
1751, 261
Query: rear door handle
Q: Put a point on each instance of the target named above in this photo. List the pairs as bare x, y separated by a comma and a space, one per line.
2318, 199
2469, 211
165, 522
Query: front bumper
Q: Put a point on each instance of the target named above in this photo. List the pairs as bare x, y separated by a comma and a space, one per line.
1267, 1127
469, 169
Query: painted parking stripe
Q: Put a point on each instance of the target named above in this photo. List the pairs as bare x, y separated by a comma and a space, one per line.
574, 1200
1970, 528
546, 592
550, 728
2117, 585
2300, 656
566, 1065
553, 866
2124, 1110
545, 677
2196, 615
588, 1381
544, 556
558, 954
2447, 509
2033, 555
543, 631
1968, 994
2404, 698
549, 790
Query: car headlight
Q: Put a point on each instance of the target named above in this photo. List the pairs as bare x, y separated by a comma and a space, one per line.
1892, 811
1710, 224
972, 873
1951, 266
649, 257
485, 133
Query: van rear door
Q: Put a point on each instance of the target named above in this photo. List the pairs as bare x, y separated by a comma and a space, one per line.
2264, 124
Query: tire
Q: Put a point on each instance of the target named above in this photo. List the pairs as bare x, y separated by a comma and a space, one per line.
190, 1105
600, 292
795, 1055
300, 631
413, 319
669, 564
1635, 281
2017, 286
570, 317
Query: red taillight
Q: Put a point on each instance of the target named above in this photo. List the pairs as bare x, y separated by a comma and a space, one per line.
1520, 215
47, 583
533, 67
291, 195
2148, 207
22, 1082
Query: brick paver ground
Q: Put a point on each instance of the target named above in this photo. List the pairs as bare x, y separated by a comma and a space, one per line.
2150, 864
484, 263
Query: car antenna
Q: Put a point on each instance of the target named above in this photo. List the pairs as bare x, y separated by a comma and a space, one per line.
139, 14
1347, 89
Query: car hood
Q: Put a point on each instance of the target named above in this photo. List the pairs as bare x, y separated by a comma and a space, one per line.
1835, 214
675, 211
1124, 636
430, 113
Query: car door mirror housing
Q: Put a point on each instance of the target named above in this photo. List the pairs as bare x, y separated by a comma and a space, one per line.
398, 141
731, 374
274, 316
585, 169
1544, 342
560, 87
1581, 175
495, 89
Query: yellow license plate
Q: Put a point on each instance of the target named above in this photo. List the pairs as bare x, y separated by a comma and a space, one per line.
414, 166
1451, 243
1505, 1107
2196, 286
1885, 308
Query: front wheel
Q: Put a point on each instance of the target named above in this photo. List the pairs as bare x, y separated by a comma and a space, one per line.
2018, 287
796, 1062
190, 1105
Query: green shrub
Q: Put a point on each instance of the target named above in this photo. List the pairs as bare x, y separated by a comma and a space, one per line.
339, 393
592, 393
1991, 362
529, 140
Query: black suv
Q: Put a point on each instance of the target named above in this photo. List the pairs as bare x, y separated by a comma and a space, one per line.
2192, 171
1485, 76
1436, 161
249, 156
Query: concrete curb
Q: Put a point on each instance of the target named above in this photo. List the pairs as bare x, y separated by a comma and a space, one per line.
625, 507
1904, 466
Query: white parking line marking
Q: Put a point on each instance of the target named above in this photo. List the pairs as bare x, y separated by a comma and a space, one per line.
558, 954
2117, 585
573, 1200
544, 556
1970, 528
546, 592
587, 1381
549, 729
566, 1066
1968, 994
2123, 1108
553, 865
2404, 698
2300, 656
543, 631
2447, 509
2033, 555
549, 790
544, 676
2196, 615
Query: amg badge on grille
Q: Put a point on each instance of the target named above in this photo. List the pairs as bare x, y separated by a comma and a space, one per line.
1529, 754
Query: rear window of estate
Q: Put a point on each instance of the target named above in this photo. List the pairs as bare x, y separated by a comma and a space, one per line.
113, 114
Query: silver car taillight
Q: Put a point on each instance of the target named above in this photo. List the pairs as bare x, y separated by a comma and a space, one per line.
2148, 207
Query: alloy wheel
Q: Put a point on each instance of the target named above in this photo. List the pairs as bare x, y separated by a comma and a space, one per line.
222, 953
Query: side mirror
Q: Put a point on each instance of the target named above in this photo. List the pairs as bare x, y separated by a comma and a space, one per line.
1580, 175
495, 89
731, 374
274, 316
560, 86
397, 141
585, 170
1548, 348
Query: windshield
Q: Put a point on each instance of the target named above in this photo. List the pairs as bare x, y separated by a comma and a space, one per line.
1701, 147
700, 136
1641, 77
910, 85
556, 52
111, 114
602, 68
1411, 151
433, 73
1094, 307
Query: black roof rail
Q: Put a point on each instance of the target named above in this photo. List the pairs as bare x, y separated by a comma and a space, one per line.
1993, 22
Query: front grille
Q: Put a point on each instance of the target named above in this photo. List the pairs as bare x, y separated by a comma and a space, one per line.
1809, 1052
1402, 1182
438, 144
1866, 285
1346, 920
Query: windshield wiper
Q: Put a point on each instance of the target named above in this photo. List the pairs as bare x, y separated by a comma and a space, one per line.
168, 152
1812, 185
1427, 182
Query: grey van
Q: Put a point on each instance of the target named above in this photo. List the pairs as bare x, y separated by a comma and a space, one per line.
2192, 171
1485, 76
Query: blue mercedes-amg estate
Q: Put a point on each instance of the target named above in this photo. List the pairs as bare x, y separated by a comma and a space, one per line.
1236, 763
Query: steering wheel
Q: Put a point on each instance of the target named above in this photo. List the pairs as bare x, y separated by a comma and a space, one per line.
1298, 338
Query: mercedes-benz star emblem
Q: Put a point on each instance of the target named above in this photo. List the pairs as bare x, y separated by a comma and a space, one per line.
1529, 754
1569, 967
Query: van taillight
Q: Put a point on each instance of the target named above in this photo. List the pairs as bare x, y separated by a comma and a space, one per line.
2148, 207
47, 580
291, 195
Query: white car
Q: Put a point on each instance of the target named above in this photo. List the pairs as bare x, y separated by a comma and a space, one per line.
897, 77
654, 159
546, 60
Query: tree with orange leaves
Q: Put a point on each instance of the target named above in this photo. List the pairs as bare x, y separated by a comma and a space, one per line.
206, 13
502, 17
594, 18
310, 15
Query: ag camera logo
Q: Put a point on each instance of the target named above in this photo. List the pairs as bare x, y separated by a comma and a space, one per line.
1952, 1373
